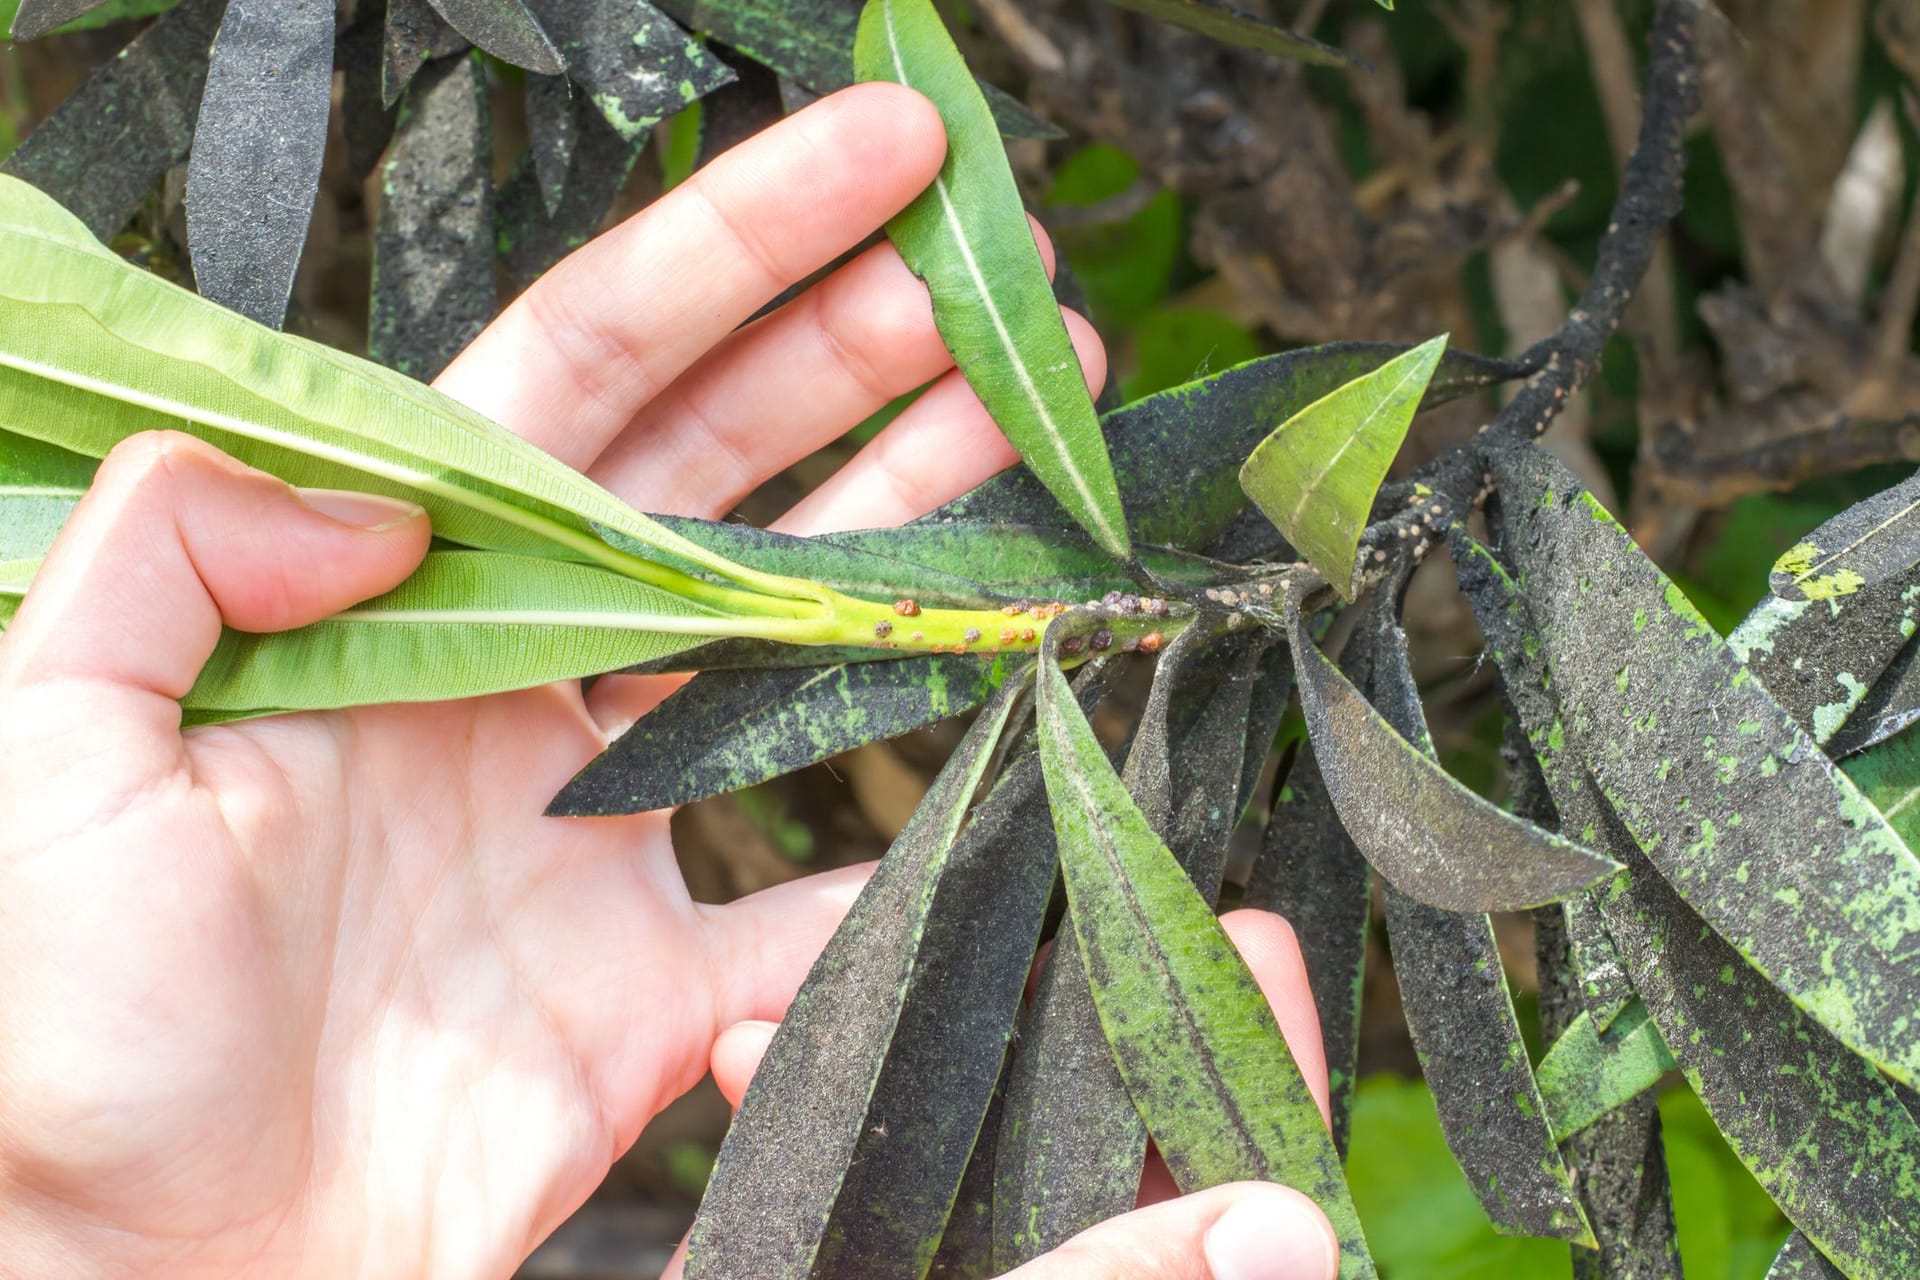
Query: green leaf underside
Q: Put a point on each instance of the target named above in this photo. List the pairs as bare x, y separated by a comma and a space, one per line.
1589, 1072
967, 238
466, 623
1464, 1027
1784, 1092
731, 729
1309, 872
1869, 543
93, 350
1421, 828
848, 1148
1231, 26
1194, 1039
1316, 476
1889, 776
1821, 659
1741, 812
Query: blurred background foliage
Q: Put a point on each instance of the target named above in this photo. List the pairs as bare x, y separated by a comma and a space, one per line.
1462, 185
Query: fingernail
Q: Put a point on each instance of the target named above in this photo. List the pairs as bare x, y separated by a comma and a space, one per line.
1271, 1236
368, 511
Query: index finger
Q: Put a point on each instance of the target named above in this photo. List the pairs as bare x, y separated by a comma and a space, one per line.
577, 356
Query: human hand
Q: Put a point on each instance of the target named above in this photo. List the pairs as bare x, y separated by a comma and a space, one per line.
326, 995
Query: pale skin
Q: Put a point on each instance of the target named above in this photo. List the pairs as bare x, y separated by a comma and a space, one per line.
326, 995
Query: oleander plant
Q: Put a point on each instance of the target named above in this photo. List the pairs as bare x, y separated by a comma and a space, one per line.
1715, 837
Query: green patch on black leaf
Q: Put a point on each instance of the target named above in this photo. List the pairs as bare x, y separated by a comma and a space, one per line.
1589, 1072
1871, 542
631, 61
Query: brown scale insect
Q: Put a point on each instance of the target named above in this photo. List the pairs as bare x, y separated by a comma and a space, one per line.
906, 608
882, 630
1073, 644
1102, 641
1151, 642
1007, 636
919, 637
970, 636
1027, 635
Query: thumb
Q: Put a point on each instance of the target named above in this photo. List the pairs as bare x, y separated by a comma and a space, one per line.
175, 538
1241, 1231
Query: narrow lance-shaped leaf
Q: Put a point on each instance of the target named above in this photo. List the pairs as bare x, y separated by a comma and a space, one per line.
847, 1150
466, 623
505, 29
1072, 1143
1316, 476
257, 146
1785, 1093
634, 64
104, 148
93, 350
36, 18
39, 488
1891, 706
433, 286
535, 231
1420, 827
967, 237
1871, 542
1462, 1019
413, 34
1741, 812
365, 120
731, 729
1589, 1072
1193, 1036
1232, 26
1309, 871
1889, 776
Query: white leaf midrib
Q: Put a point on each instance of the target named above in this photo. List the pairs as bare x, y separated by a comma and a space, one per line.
1032, 390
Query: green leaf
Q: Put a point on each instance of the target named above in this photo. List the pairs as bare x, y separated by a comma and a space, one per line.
967, 237
93, 350
1315, 477
1868, 543
1231, 26
1889, 776
1454, 993
1193, 1036
732, 729
1589, 1072
1750, 822
1177, 454
466, 623
849, 1145
106, 146
1891, 706
1072, 1143
1420, 827
39, 488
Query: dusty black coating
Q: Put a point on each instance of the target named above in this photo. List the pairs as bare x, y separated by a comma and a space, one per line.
257, 146
1874, 542
735, 728
1071, 1141
1891, 706
36, 18
1309, 872
1799, 1260
735, 112
553, 129
366, 121
1732, 801
530, 238
413, 35
1465, 1030
103, 148
505, 29
851, 1144
635, 64
433, 286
